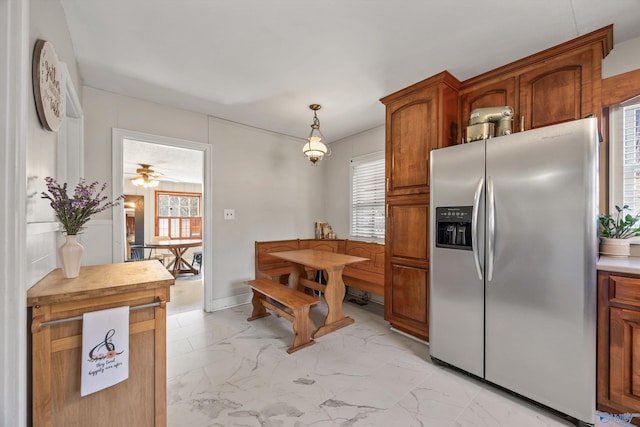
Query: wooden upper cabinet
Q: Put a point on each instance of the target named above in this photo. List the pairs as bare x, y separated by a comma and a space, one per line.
419, 118
502, 92
555, 85
558, 91
413, 133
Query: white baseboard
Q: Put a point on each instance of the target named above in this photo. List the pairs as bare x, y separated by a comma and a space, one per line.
228, 302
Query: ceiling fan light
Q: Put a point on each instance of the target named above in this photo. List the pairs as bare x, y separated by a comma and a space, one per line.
146, 177
137, 181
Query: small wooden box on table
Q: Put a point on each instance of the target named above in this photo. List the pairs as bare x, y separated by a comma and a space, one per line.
56, 306
295, 308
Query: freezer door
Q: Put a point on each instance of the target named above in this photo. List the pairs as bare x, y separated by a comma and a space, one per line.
541, 298
456, 298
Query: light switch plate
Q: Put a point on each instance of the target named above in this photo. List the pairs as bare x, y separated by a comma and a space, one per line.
229, 214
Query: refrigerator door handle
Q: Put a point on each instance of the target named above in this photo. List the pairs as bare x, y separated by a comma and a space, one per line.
474, 227
491, 228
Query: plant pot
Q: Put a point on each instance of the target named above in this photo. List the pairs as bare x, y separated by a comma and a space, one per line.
71, 254
614, 247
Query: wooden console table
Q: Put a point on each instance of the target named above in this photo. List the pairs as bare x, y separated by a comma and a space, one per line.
56, 306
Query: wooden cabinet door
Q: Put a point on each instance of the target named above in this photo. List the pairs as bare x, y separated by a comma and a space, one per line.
407, 273
624, 358
558, 91
411, 133
408, 309
408, 227
494, 94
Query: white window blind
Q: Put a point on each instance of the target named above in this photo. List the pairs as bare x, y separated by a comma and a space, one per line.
631, 164
367, 197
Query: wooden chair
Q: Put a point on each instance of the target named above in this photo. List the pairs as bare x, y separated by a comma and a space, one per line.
197, 258
163, 255
138, 253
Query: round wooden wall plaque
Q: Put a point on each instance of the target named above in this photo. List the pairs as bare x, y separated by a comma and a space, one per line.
46, 85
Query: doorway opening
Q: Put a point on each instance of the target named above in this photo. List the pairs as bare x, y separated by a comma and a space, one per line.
178, 167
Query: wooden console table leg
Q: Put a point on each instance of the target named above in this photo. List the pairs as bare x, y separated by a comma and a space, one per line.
334, 294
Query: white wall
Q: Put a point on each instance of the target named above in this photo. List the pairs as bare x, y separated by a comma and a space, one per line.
47, 22
336, 176
260, 174
624, 57
273, 189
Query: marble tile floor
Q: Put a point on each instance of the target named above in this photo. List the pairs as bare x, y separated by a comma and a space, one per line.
186, 294
225, 371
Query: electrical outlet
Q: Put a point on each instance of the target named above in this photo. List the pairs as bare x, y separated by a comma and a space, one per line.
229, 214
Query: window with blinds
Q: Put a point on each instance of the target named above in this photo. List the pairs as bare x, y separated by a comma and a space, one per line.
631, 157
367, 197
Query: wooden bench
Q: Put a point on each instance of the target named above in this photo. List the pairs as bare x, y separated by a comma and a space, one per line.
366, 275
269, 267
295, 308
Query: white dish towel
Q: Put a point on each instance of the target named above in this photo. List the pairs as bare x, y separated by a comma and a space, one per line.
105, 349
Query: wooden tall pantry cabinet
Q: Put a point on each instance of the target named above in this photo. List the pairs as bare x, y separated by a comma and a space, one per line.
419, 118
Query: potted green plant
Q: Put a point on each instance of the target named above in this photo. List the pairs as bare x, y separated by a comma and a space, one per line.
615, 231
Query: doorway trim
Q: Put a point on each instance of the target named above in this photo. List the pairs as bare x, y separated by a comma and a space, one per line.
117, 176
70, 155
14, 127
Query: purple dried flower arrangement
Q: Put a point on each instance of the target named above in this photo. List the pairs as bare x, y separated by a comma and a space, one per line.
74, 212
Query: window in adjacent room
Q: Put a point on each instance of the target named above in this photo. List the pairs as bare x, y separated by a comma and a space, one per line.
178, 215
367, 197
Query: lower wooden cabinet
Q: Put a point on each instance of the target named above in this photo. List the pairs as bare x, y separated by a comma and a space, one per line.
406, 295
619, 344
56, 306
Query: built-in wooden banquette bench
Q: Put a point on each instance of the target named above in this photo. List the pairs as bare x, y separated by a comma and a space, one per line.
365, 275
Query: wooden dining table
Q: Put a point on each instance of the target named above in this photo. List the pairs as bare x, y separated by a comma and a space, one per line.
177, 247
334, 290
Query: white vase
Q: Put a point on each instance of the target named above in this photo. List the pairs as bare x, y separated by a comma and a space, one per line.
71, 253
614, 247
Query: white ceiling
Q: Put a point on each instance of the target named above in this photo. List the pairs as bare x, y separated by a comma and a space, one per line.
174, 164
262, 63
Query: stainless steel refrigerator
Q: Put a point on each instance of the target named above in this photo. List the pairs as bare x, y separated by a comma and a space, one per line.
513, 263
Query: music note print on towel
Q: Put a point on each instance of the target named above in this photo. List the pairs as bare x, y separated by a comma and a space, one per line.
105, 349
108, 345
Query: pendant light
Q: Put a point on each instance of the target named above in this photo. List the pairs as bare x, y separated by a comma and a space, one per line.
315, 149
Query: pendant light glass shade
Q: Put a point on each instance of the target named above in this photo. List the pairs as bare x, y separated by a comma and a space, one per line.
315, 149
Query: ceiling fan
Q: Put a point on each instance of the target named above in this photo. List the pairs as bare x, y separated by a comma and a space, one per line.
146, 177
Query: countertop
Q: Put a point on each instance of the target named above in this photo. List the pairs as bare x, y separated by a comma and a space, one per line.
99, 280
629, 265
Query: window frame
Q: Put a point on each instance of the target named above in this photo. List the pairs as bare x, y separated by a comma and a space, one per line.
616, 153
197, 225
354, 162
